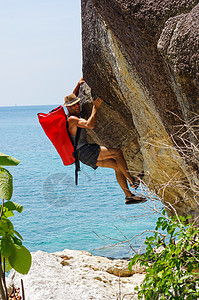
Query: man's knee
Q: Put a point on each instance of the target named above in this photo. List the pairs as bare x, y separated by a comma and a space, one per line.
118, 152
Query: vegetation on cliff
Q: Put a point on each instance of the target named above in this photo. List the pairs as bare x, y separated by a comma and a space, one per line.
172, 260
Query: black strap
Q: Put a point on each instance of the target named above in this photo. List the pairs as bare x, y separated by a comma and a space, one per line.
77, 164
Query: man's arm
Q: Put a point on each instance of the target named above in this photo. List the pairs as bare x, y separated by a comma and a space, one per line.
76, 89
83, 123
93, 117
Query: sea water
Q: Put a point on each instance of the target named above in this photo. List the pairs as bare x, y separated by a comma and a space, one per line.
57, 214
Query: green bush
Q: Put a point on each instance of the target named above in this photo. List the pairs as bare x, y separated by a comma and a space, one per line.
171, 260
12, 253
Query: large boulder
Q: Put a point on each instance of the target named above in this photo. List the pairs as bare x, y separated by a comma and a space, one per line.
142, 58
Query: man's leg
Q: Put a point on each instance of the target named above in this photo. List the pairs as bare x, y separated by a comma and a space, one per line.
117, 155
111, 163
113, 158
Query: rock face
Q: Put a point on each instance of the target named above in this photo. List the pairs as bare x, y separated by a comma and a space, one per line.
142, 58
72, 275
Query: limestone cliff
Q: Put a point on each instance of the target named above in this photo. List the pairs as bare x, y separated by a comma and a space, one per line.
142, 58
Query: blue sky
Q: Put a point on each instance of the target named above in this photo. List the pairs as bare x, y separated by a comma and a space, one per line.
40, 50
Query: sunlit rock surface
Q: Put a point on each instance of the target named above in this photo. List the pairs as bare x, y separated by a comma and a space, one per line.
72, 275
142, 58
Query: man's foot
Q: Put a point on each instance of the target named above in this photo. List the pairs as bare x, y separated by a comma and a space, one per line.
135, 184
136, 181
135, 199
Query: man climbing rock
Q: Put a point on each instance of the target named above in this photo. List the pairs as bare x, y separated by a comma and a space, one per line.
95, 155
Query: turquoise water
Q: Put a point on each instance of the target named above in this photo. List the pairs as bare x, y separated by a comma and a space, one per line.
57, 214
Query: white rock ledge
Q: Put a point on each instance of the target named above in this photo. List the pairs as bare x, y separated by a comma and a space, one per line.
73, 274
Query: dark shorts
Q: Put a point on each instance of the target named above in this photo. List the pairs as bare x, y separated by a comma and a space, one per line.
88, 154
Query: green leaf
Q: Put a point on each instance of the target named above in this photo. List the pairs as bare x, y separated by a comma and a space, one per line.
8, 214
151, 238
17, 234
6, 225
7, 246
160, 274
17, 241
10, 205
6, 184
6, 160
133, 261
184, 278
20, 260
164, 225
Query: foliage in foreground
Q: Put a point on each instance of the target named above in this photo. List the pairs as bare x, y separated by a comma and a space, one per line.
172, 267
12, 253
